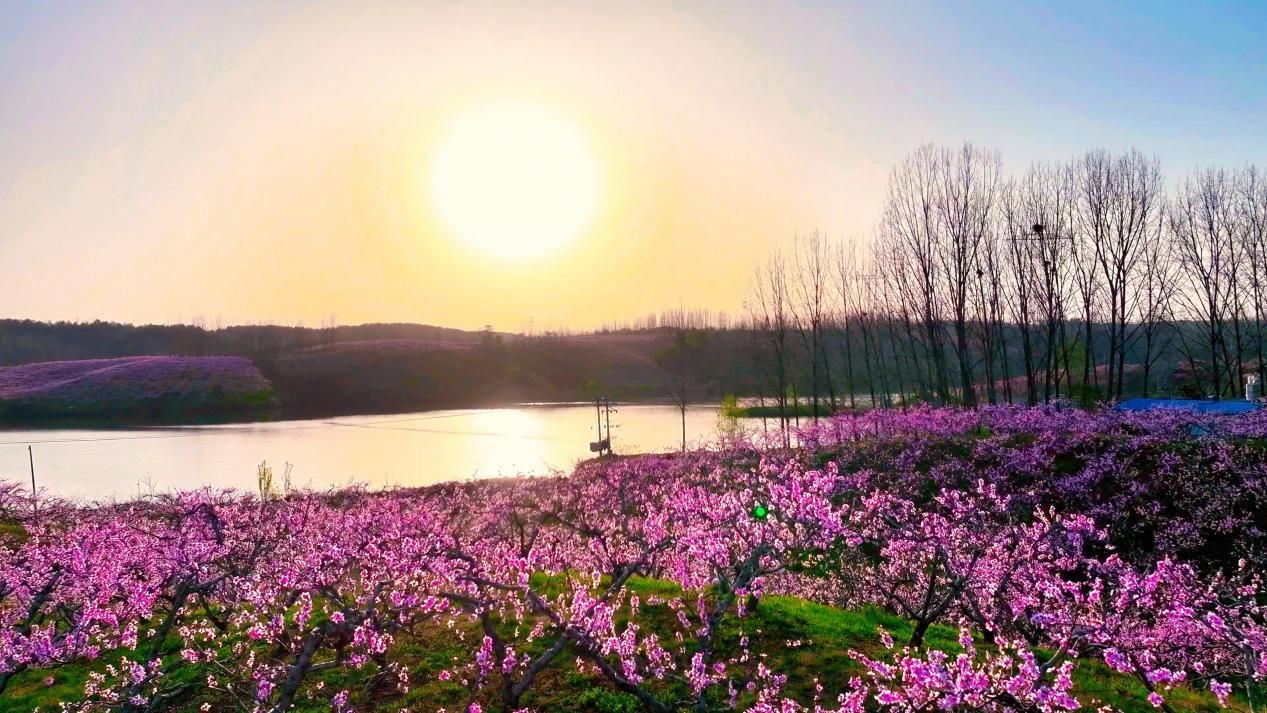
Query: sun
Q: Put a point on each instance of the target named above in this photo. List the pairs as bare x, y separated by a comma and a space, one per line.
514, 179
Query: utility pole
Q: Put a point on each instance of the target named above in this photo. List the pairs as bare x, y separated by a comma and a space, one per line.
607, 414
598, 430
603, 422
30, 454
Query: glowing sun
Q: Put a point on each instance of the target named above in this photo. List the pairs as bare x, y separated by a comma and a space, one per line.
514, 179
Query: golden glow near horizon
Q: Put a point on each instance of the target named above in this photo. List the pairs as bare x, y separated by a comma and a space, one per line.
514, 179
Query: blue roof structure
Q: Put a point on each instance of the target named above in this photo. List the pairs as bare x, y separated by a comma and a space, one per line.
1228, 408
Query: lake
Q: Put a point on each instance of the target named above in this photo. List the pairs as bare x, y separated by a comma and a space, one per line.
378, 451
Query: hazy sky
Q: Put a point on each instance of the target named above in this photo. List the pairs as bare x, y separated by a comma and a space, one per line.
269, 160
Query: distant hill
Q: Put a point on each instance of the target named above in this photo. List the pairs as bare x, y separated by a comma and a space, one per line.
394, 374
25, 341
400, 367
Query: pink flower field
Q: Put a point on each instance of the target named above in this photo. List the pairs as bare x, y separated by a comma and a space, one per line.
97, 383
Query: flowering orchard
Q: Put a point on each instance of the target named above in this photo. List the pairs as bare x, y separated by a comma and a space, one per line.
1051, 541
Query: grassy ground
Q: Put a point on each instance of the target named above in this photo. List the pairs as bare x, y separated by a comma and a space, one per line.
801, 410
796, 637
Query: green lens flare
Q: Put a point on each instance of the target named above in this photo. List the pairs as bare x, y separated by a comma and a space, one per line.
760, 511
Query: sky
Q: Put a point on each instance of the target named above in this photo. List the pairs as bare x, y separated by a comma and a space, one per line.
238, 162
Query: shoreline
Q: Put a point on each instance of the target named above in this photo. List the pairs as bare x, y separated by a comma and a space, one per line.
127, 422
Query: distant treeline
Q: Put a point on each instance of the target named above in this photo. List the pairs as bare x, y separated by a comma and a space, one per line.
679, 319
1085, 280
25, 341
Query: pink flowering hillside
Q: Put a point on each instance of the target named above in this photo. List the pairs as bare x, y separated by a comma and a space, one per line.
1007, 559
128, 383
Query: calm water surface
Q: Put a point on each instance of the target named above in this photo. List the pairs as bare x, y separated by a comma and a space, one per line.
401, 449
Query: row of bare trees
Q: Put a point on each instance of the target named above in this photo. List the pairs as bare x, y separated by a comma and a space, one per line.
1086, 279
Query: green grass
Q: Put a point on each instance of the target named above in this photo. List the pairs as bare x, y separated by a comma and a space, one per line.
12, 529
27, 691
798, 411
799, 638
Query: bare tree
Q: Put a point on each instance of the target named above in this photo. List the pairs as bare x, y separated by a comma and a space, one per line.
851, 315
991, 311
967, 191
1251, 229
1240, 269
1154, 287
1200, 222
771, 309
1020, 258
911, 228
902, 306
1046, 204
679, 361
812, 258
1119, 199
